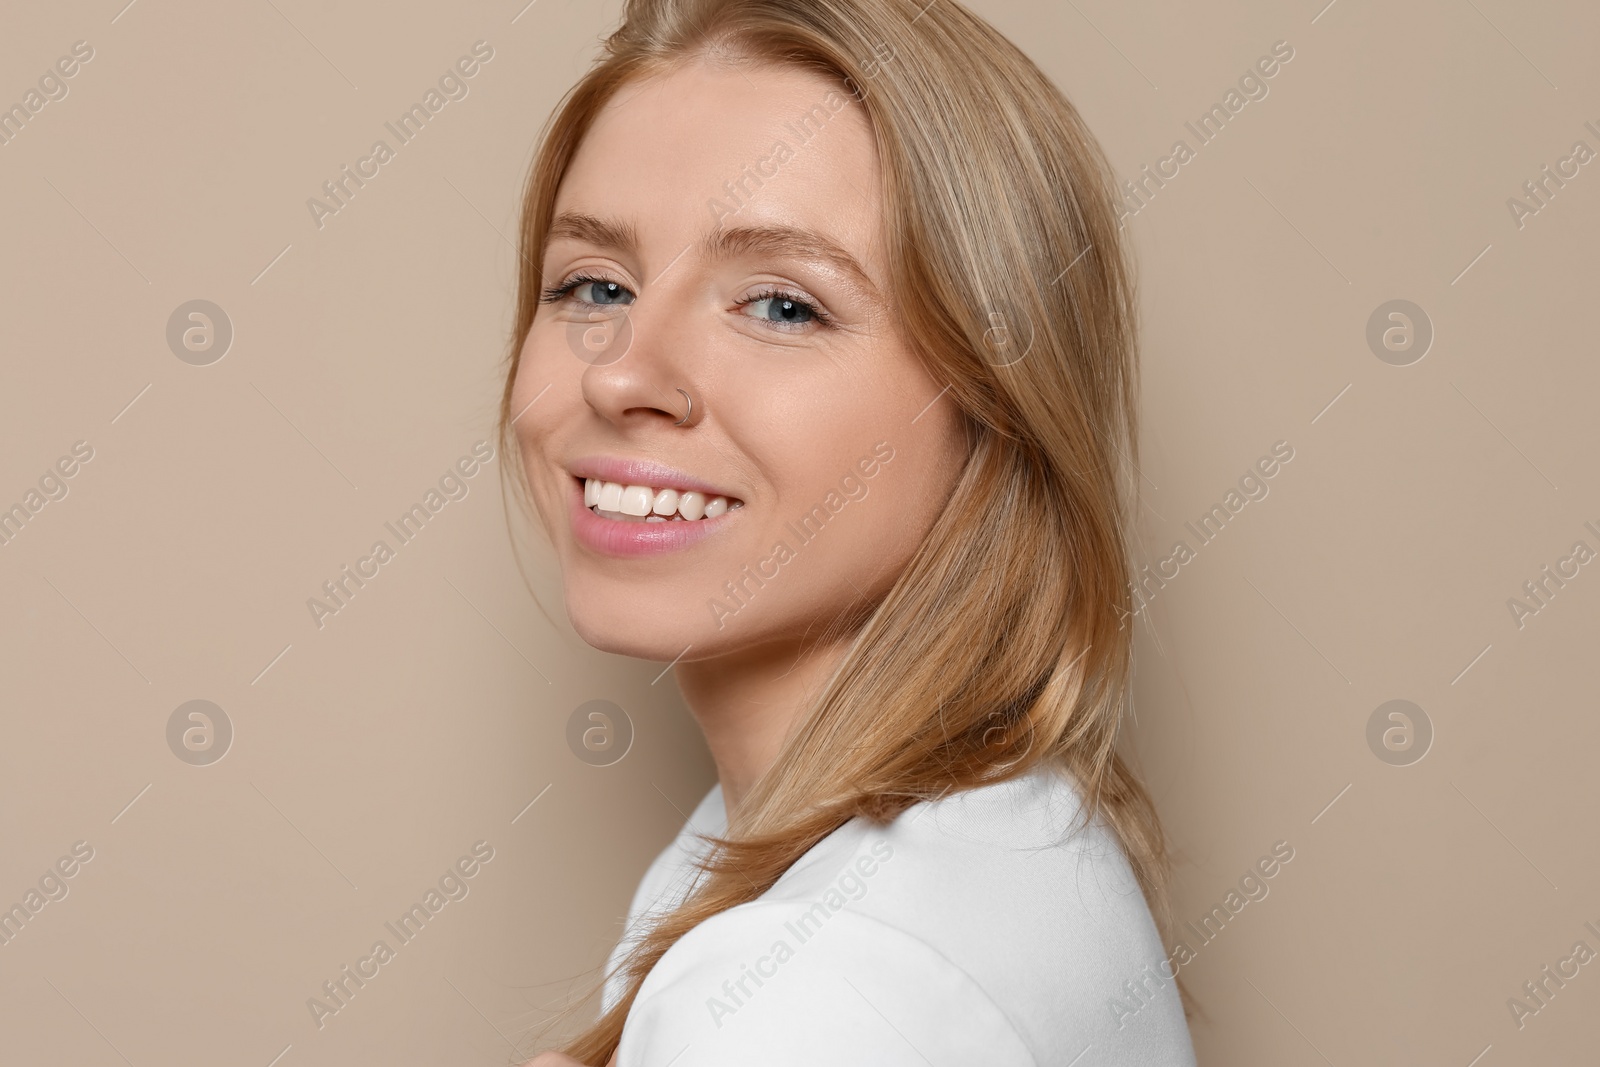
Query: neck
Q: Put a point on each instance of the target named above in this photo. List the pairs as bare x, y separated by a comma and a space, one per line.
747, 703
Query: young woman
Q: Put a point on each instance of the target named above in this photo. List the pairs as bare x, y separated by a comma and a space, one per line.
823, 389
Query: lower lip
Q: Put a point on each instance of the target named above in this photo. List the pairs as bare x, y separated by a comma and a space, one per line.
619, 537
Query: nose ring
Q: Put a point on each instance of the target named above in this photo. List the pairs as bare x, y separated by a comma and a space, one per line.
690, 400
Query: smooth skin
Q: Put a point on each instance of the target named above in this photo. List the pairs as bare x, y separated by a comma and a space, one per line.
785, 408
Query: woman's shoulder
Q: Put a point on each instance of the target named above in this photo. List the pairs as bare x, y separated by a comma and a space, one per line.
752, 985
997, 908
1017, 855
666, 882
670, 875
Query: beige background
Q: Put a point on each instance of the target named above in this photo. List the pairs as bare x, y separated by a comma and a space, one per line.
370, 754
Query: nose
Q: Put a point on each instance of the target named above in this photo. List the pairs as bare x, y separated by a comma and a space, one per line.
638, 365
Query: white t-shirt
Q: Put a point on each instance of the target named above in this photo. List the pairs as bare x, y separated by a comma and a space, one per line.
972, 930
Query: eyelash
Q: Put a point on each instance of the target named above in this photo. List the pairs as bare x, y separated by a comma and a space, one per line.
550, 296
822, 318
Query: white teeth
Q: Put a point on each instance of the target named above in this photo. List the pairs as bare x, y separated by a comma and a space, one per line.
692, 505
651, 504
636, 500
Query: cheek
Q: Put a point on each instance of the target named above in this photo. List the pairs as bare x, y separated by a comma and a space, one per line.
534, 367
538, 386
884, 525
536, 411
817, 437
911, 487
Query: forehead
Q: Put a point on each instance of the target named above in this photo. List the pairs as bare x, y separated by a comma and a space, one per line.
679, 155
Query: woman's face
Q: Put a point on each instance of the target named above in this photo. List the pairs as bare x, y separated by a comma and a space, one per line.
726, 230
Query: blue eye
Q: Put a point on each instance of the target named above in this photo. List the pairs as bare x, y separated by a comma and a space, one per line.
604, 292
784, 309
600, 292
786, 312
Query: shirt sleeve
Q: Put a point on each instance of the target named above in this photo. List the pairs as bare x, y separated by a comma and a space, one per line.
759, 986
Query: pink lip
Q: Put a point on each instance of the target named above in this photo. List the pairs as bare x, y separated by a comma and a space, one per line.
616, 537
642, 472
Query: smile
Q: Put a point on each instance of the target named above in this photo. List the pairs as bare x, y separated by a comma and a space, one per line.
620, 519
646, 503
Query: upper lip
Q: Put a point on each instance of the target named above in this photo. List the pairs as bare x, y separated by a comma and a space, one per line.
642, 472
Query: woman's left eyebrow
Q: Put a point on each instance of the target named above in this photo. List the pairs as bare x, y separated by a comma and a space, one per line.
792, 242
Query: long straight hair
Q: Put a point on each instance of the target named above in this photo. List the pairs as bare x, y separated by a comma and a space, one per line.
1006, 642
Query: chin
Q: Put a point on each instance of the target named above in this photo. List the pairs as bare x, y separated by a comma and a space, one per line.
623, 629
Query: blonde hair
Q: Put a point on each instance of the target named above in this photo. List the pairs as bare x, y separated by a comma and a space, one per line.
1005, 643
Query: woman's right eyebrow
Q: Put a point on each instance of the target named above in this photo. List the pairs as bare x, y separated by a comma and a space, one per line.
590, 229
